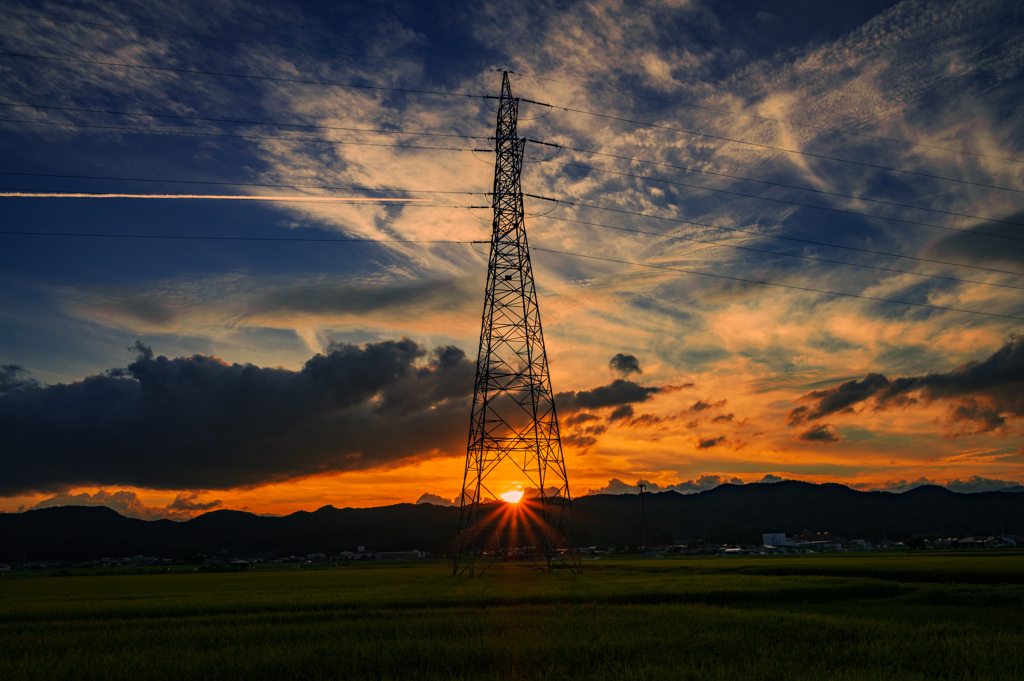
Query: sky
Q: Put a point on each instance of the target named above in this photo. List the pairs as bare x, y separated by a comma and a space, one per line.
787, 244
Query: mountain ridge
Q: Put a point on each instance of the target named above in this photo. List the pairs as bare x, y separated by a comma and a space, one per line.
725, 514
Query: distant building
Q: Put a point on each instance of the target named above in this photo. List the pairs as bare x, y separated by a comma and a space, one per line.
774, 539
401, 555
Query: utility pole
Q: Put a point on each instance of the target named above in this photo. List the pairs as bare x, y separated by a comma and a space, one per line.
641, 487
513, 426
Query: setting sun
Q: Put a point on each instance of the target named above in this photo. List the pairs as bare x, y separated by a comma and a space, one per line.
512, 496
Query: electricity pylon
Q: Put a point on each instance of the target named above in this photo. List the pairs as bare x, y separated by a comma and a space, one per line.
513, 418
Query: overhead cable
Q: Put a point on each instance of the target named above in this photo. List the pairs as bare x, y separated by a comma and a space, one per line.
243, 184
197, 133
674, 237
750, 179
357, 55
247, 42
246, 122
804, 205
775, 284
788, 151
363, 200
241, 238
691, 105
626, 212
196, 72
803, 241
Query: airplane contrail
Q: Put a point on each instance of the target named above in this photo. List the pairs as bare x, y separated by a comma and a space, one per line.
304, 199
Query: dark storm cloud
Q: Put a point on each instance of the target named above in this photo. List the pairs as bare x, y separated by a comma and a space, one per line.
838, 399
579, 441
821, 432
580, 418
709, 442
624, 365
14, 378
617, 393
200, 423
624, 412
984, 392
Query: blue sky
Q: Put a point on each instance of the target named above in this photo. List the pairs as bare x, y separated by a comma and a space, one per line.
930, 88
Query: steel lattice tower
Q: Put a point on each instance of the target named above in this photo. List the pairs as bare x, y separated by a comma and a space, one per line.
513, 418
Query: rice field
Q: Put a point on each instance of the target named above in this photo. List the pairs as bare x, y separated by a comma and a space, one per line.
857, 616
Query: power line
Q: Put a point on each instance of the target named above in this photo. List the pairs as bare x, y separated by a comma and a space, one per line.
750, 179
796, 203
196, 72
771, 283
649, 179
585, 151
519, 73
766, 118
196, 133
786, 255
8, 192
805, 241
242, 184
250, 42
787, 151
242, 238
626, 212
245, 122
44, 194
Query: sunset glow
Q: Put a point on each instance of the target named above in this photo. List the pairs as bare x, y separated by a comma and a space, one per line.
779, 260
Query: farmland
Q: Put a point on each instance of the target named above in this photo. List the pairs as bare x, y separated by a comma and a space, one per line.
850, 616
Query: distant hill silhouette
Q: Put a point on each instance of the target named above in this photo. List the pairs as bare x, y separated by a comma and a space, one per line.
726, 514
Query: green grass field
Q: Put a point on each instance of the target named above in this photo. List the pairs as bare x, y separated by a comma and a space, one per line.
855, 616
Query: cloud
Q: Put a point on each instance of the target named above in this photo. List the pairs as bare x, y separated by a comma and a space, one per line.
978, 483
771, 478
624, 365
967, 246
623, 412
820, 432
723, 418
584, 438
428, 498
984, 393
702, 405
128, 504
582, 417
189, 501
648, 420
709, 442
197, 422
838, 399
14, 378
704, 482
617, 393
969, 485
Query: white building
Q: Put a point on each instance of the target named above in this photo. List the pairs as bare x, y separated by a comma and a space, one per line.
774, 539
